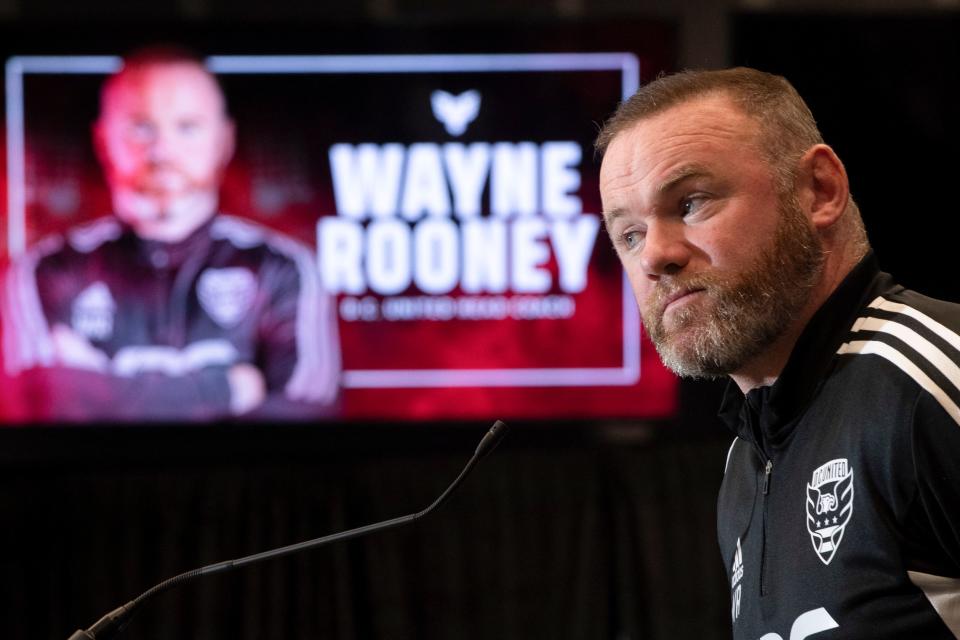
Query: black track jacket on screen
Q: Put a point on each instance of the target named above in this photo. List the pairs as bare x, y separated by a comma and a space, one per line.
168, 320
839, 513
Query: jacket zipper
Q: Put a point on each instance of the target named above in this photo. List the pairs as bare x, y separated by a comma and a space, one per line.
767, 463
767, 471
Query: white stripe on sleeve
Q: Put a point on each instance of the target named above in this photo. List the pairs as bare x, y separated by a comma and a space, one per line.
944, 594
882, 349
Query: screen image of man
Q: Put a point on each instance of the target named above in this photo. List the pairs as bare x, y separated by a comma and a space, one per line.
168, 309
839, 511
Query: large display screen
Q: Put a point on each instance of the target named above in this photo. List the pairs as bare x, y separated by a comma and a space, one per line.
446, 205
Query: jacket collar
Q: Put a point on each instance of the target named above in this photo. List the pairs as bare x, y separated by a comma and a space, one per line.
163, 256
766, 415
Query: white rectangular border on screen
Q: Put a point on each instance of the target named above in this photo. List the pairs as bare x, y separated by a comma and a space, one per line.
627, 63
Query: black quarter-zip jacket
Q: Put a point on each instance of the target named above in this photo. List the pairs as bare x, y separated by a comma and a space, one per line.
839, 512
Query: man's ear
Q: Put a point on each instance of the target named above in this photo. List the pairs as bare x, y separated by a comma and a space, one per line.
823, 187
229, 142
99, 140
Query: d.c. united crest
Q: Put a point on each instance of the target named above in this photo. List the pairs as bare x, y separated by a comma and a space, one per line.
227, 294
829, 506
93, 311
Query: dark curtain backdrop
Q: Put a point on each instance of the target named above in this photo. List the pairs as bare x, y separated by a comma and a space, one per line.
883, 88
564, 532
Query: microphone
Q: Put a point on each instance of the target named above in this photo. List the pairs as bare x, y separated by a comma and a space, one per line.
110, 625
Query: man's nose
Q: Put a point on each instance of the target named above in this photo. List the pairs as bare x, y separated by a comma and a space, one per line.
160, 147
665, 249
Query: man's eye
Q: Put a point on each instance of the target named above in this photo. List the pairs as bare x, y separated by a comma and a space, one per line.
631, 239
691, 204
142, 131
188, 127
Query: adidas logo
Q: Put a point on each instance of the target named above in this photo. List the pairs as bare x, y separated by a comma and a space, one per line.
737, 570
736, 575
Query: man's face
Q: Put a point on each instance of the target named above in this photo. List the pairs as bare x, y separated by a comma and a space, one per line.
163, 138
719, 261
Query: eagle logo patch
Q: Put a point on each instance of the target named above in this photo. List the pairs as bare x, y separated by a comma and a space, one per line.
93, 312
829, 506
227, 294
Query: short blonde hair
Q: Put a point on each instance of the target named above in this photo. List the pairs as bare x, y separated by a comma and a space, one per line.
787, 126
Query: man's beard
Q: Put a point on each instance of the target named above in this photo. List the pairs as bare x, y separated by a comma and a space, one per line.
169, 218
739, 315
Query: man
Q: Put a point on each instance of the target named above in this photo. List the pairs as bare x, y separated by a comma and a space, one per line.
839, 513
168, 309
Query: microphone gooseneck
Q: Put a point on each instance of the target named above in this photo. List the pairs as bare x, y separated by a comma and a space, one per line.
110, 625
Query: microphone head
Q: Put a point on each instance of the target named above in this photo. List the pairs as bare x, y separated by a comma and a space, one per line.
492, 438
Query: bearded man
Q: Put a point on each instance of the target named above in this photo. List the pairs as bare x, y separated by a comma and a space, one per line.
839, 512
168, 309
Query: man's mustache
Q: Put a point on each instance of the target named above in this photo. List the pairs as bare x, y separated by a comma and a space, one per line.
666, 291
159, 179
